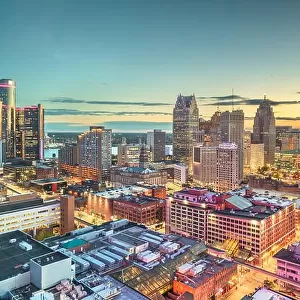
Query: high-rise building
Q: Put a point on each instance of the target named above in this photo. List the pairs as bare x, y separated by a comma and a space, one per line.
156, 141
8, 98
227, 167
29, 134
68, 160
94, 153
185, 128
264, 130
205, 165
232, 131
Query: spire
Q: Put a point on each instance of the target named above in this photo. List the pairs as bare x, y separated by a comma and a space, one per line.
265, 97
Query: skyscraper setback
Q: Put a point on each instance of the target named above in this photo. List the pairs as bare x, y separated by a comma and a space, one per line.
185, 128
264, 130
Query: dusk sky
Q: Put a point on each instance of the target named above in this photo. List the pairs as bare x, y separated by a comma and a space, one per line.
122, 63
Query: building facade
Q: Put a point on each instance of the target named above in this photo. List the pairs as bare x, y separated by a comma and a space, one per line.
264, 130
94, 153
227, 167
205, 165
128, 155
257, 157
185, 128
8, 98
29, 134
232, 131
67, 206
156, 141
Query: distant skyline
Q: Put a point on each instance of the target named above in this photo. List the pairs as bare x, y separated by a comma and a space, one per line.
122, 63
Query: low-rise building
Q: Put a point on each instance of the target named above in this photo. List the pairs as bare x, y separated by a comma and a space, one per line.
288, 262
28, 214
140, 209
206, 278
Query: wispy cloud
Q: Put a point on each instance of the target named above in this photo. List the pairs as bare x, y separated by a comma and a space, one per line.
76, 112
240, 100
255, 102
222, 98
288, 118
68, 100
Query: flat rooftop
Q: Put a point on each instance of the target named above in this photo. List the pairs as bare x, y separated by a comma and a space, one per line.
139, 200
211, 266
50, 258
115, 193
12, 257
266, 294
248, 213
8, 207
287, 255
47, 181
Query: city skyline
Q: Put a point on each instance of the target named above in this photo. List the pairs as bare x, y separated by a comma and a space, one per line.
122, 67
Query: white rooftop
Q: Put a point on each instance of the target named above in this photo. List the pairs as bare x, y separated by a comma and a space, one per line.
265, 294
126, 190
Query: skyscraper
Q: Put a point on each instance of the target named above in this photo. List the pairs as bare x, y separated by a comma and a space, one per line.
185, 128
264, 130
8, 98
227, 167
94, 153
156, 141
29, 134
232, 131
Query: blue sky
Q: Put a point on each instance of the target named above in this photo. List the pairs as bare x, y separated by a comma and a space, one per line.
102, 53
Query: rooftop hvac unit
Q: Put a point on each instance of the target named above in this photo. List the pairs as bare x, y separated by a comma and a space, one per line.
25, 246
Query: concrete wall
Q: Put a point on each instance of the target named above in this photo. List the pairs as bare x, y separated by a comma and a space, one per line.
49, 275
14, 282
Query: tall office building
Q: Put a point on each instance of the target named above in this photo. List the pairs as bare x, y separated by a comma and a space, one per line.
185, 128
8, 98
29, 134
205, 165
156, 141
94, 153
227, 167
232, 131
264, 130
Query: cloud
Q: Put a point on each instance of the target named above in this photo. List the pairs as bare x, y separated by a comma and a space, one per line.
108, 102
288, 118
221, 98
255, 102
117, 126
76, 112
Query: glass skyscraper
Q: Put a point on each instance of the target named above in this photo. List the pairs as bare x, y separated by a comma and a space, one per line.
185, 129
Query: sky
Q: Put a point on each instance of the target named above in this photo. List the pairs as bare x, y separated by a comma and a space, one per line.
122, 63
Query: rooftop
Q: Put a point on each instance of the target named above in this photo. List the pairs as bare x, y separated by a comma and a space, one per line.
12, 257
266, 294
201, 270
139, 200
115, 193
50, 258
47, 181
249, 213
8, 207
